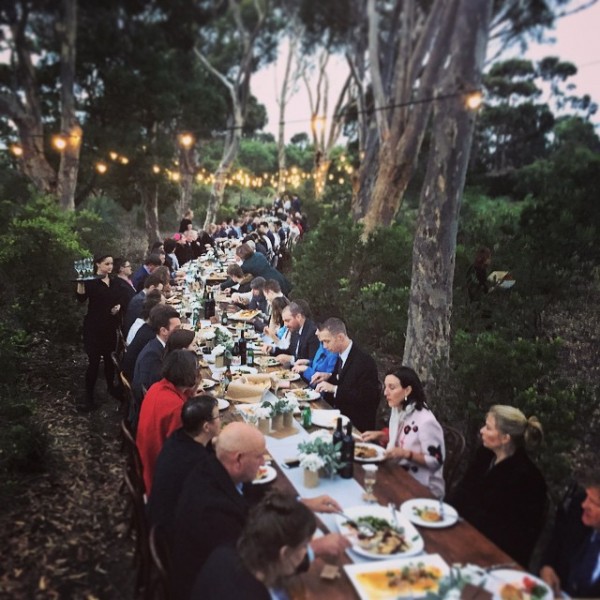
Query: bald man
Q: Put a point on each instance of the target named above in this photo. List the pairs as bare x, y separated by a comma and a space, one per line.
212, 509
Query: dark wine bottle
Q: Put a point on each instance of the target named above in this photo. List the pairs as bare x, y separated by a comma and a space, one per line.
338, 436
347, 454
206, 304
243, 345
236, 361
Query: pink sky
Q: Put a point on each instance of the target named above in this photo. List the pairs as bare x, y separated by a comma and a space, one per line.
577, 39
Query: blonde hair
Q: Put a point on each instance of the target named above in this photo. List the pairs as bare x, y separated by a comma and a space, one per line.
523, 431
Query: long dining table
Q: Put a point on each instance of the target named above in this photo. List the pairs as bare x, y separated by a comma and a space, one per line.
461, 543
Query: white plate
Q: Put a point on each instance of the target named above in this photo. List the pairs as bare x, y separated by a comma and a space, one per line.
380, 453
327, 418
365, 592
271, 474
498, 578
223, 404
268, 361
239, 315
207, 384
284, 375
305, 395
411, 508
412, 536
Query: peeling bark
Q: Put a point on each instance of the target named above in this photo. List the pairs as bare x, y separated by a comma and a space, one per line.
430, 303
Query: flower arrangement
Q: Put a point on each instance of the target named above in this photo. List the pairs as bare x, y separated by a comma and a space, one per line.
286, 405
262, 411
319, 448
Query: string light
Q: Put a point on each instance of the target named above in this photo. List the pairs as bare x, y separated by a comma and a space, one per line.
59, 142
16, 150
474, 100
101, 168
186, 140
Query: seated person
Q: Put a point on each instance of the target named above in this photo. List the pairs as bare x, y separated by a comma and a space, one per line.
255, 299
323, 361
272, 546
236, 280
181, 452
414, 435
153, 298
160, 415
571, 562
277, 331
503, 493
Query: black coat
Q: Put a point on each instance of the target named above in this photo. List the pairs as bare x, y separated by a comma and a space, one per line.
567, 546
302, 344
210, 512
143, 335
224, 577
506, 502
358, 390
259, 266
178, 457
134, 310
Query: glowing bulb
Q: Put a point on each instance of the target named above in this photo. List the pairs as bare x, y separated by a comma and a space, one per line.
59, 142
186, 140
16, 150
474, 100
156, 169
101, 168
113, 155
124, 160
175, 176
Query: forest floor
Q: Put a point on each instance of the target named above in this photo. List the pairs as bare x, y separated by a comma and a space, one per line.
65, 536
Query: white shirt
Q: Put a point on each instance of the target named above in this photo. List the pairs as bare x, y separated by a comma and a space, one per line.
344, 354
134, 329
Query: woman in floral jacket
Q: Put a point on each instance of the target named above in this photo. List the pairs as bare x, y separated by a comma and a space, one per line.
414, 436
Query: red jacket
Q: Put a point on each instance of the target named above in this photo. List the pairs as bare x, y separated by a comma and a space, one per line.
159, 417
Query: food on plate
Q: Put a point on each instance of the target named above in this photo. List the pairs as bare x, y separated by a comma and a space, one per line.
302, 394
385, 538
525, 589
428, 513
285, 375
362, 451
247, 314
410, 579
262, 473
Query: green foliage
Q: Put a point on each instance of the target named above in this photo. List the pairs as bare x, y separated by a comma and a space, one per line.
364, 283
37, 250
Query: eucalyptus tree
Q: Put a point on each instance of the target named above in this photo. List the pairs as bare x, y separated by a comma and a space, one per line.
236, 44
39, 42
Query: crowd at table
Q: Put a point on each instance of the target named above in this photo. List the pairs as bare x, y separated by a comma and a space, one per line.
227, 537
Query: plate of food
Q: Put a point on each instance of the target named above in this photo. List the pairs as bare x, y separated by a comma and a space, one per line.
368, 453
426, 513
399, 578
243, 370
244, 315
389, 536
208, 384
287, 375
265, 474
327, 418
511, 584
223, 404
306, 395
268, 361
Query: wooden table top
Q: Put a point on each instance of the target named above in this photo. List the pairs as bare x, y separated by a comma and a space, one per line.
461, 543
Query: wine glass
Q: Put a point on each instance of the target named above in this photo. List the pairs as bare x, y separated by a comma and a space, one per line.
370, 478
77, 267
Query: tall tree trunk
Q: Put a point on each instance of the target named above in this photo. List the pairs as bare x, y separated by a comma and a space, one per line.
33, 161
69, 160
149, 197
230, 150
187, 169
430, 303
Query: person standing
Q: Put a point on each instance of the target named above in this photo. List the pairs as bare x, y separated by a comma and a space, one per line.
99, 327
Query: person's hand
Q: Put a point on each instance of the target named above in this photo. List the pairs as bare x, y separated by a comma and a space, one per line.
549, 576
319, 376
330, 547
398, 453
266, 349
322, 504
325, 386
299, 368
371, 436
303, 361
284, 359
115, 309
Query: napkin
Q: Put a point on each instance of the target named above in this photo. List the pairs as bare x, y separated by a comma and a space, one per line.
241, 390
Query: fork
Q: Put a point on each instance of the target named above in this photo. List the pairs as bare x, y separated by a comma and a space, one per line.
362, 528
392, 508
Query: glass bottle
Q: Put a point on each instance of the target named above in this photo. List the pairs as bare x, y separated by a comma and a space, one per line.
347, 454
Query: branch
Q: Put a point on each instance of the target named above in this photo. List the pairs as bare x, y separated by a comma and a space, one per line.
222, 78
378, 92
11, 108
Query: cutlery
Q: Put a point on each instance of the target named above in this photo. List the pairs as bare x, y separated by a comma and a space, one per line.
442, 515
362, 528
394, 516
507, 565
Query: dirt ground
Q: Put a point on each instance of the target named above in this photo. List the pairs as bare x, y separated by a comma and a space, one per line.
66, 536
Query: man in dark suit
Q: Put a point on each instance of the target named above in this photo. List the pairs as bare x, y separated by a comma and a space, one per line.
571, 562
212, 509
151, 263
304, 342
186, 448
149, 362
134, 309
354, 385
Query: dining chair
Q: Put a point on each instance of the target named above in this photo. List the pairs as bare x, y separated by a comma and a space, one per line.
121, 343
139, 526
133, 456
128, 399
454, 441
159, 584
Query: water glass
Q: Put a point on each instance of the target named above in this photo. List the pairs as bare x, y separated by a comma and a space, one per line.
370, 477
